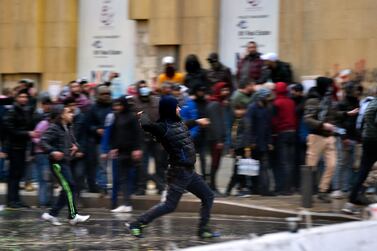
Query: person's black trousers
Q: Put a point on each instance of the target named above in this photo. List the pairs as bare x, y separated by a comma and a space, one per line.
17, 167
183, 180
368, 158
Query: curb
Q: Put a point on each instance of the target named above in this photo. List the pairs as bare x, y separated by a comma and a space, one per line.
187, 205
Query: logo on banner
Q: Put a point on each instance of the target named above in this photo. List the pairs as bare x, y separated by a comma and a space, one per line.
107, 13
97, 44
253, 4
242, 24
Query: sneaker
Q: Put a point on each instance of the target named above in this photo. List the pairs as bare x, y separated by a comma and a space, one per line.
338, 194
122, 209
244, 194
163, 195
324, 197
350, 208
206, 233
54, 220
136, 229
362, 200
79, 218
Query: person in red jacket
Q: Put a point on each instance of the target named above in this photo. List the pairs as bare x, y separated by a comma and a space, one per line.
284, 125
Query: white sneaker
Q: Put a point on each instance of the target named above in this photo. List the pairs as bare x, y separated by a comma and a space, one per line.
79, 218
350, 208
48, 217
163, 195
337, 194
122, 209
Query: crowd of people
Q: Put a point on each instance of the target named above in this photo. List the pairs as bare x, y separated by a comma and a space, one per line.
258, 112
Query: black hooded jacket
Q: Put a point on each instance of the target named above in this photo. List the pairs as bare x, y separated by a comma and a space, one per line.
58, 137
18, 122
172, 133
320, 109
196, 76
126, 133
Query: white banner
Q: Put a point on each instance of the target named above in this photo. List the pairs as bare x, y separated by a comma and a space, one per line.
242, 21
106, 43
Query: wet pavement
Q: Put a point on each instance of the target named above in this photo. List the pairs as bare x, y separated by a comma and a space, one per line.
23, 230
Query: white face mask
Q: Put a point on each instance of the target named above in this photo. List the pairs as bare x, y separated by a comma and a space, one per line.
144, 91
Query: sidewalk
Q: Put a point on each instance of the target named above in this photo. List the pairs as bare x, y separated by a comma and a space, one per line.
279, 206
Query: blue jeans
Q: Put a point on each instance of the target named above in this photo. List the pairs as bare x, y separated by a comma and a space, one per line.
183, 180
343, 172
45, 191
101, 175
115, 178
368, 158
3, 172
124, 174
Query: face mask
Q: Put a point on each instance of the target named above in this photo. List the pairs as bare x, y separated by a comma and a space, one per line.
144, 91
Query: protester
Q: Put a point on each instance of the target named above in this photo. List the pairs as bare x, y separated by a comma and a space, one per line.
275, 70
284, 124
259, 119
170, 73
78, 160
148, 103
219, 72
95, 120
216, 110
197, 108
346, 143
250, 66
125, 145
19, 125
174, 136
60, 144
196, 76
239, 143
369, 157
45, 180
321, 118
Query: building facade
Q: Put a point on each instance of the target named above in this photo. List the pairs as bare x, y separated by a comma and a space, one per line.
39, 38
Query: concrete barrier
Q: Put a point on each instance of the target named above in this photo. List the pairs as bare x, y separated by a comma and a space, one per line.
360, 236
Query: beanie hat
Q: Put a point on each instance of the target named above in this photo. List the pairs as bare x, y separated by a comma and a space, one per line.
262, 94
323, 84
167, 108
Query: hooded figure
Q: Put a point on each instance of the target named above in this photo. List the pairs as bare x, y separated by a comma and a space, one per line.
218, 72
284, 123
217, 90
323, 85
259, 120
284, 110
174, 136
168, 109
125, 133
196, 76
